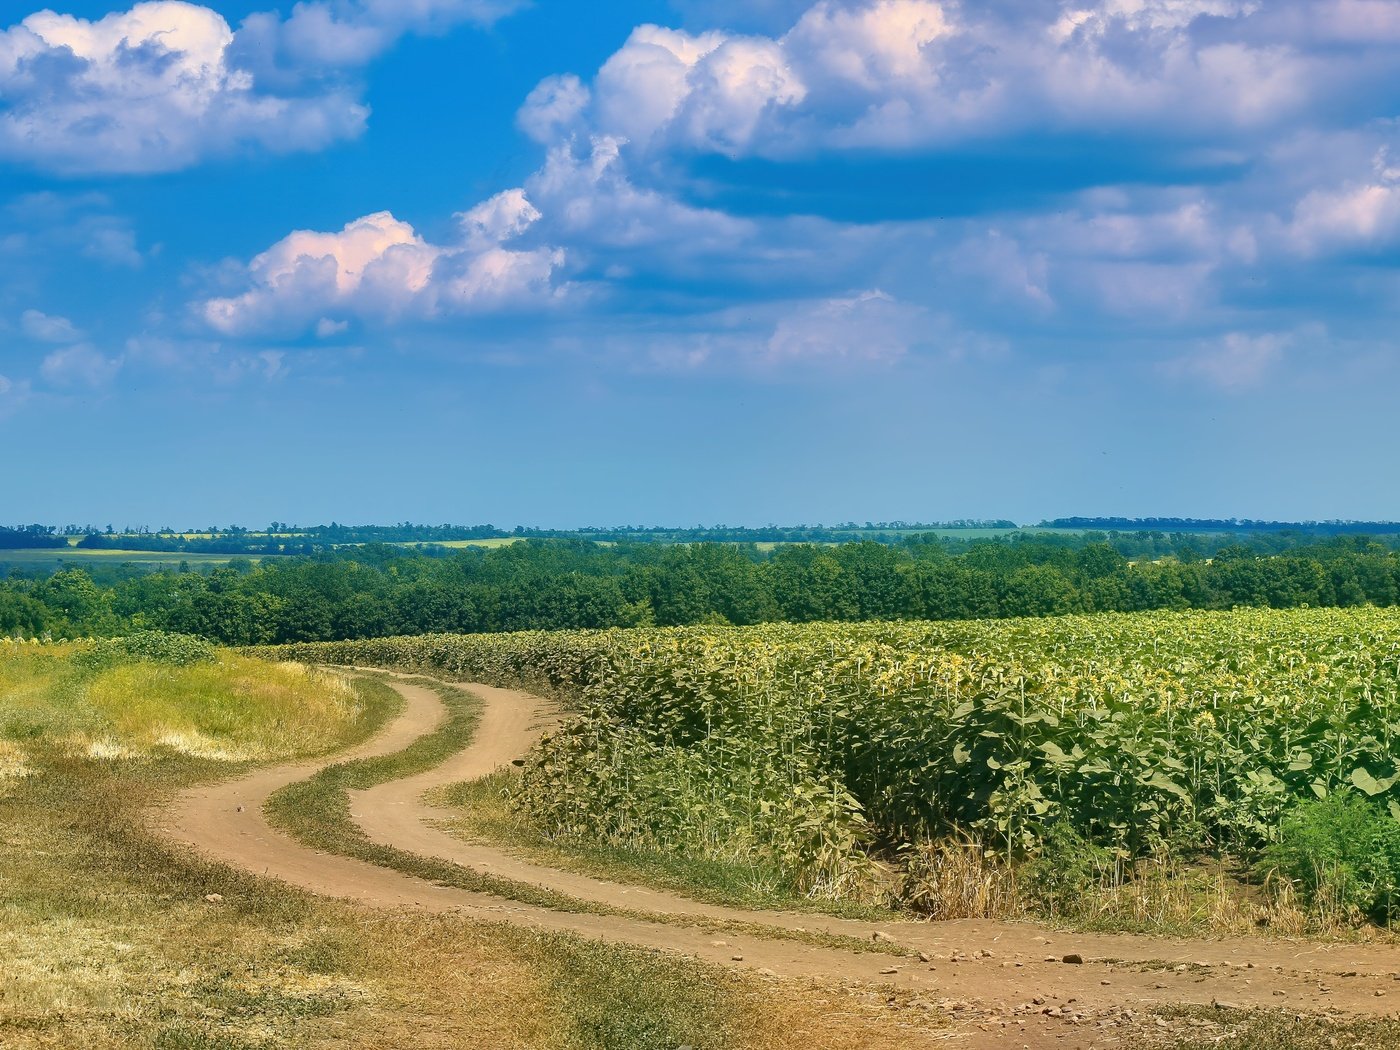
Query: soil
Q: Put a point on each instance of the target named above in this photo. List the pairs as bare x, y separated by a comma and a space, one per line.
1004, 984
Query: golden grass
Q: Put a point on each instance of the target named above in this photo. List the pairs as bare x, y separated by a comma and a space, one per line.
14, 766
956, 879
235, 710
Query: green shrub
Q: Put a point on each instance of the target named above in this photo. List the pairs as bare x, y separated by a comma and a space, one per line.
1067, 869
1343, 854
177, 650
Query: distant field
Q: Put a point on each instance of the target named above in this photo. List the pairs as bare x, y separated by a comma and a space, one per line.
501, 541
73, 558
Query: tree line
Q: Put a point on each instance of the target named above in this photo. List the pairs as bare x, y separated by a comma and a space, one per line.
381, 590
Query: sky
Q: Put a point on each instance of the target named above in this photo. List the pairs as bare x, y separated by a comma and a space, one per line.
698, 261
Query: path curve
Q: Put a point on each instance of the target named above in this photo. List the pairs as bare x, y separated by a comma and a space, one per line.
225, 822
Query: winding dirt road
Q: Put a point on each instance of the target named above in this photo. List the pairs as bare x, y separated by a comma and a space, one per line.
999, 978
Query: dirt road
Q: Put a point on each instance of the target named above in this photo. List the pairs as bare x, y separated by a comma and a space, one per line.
1006, 983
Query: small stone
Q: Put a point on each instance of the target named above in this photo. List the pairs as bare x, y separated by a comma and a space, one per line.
881, 935
924, 957
1074, 959
888, 972
1051, 958
214, 898
737, 958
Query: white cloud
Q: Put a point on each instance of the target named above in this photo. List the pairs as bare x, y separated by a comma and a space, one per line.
114, 245
80, 365
1138, 253
330, 34
167, 83
193, 359
12, 395
857, 74
554, 106
1235, 361
591, 199
149, 89
59, 227
1359, 214
49, 328
380, 269
868, 327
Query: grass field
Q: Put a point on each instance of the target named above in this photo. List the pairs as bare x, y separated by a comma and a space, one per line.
73, 558
490, 543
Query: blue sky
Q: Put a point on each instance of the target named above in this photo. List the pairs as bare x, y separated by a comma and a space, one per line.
699, 261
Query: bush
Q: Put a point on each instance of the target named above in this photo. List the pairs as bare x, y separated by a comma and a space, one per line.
176, 650
1067, 868
1343, 855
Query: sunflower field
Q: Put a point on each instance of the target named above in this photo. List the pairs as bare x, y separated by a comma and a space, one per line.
819, 746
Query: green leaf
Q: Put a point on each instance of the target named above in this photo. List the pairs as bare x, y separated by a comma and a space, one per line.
1361, 777
1055, 753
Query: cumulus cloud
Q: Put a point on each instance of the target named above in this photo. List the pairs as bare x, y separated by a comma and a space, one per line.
380, 269
868, 327
48, 328
149, 89
169, 83
1235, 361
589, 196
555, 105
329, 34
857, 74
80, 365
1148, 255
1358, 215
48, 225
13, 394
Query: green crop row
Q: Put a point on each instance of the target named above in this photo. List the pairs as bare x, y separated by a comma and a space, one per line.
818, 746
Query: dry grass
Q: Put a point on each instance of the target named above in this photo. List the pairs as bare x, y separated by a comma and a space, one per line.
234, 710
804, 1015
957, 879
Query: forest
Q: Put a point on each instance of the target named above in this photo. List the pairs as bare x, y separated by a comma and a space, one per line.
377, 590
